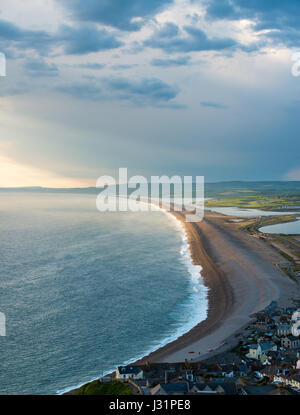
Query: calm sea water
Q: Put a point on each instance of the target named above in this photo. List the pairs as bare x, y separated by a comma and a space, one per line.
84, 292
284, 228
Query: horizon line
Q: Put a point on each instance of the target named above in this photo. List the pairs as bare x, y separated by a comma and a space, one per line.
94, 187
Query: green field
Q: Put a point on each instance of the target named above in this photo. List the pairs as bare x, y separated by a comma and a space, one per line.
257, 200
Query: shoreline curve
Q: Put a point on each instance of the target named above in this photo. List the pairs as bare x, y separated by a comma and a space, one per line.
242, 279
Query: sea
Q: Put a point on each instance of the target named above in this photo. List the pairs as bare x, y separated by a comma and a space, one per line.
84, 292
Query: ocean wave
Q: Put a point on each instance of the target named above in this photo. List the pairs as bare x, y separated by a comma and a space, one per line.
196, 304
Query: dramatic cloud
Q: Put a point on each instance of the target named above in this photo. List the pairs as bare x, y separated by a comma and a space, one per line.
117, 13
104, 78
149, 91
169, 39
85, 39
73, 40
11, 35
220, 10
282, 16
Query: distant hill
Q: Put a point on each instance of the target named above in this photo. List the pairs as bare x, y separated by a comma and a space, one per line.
218, 189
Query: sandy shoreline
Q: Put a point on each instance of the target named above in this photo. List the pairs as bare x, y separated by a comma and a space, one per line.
242, 277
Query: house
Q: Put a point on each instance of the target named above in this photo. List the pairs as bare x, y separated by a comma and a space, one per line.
284, 318
259, 390
230, 374
253, 352
284, 330
293, 381
214, 388
291, 310
290, 342
258, 351
228, 370
170, 389
267, 347
263, 321
129, 372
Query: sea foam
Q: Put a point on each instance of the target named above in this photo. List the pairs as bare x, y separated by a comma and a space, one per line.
196, 304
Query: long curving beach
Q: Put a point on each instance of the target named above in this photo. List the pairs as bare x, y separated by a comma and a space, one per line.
241, 274
242, 278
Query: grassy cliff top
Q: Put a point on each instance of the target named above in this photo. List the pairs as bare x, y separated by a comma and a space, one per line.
111, 388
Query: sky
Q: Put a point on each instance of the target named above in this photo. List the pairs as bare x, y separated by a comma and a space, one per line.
162, 87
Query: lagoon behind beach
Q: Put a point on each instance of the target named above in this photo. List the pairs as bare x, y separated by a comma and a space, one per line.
288, 228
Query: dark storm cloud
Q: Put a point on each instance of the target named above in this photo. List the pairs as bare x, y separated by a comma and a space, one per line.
192, 39
147, 91
85, 39
283, 16
13, 36
115, 13
77, 40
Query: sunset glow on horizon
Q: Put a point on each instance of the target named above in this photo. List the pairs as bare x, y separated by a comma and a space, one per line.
13, 174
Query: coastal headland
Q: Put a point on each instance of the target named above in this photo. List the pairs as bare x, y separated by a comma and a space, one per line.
243, 278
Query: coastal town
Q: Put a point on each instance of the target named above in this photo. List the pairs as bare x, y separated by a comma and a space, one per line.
265, 361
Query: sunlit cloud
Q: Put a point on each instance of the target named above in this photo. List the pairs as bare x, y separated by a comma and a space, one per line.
160, 87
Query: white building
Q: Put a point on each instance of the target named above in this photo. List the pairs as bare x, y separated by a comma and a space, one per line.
258, 351
129, 372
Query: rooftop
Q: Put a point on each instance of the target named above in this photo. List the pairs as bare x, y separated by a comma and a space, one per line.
174, 388
129, 370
